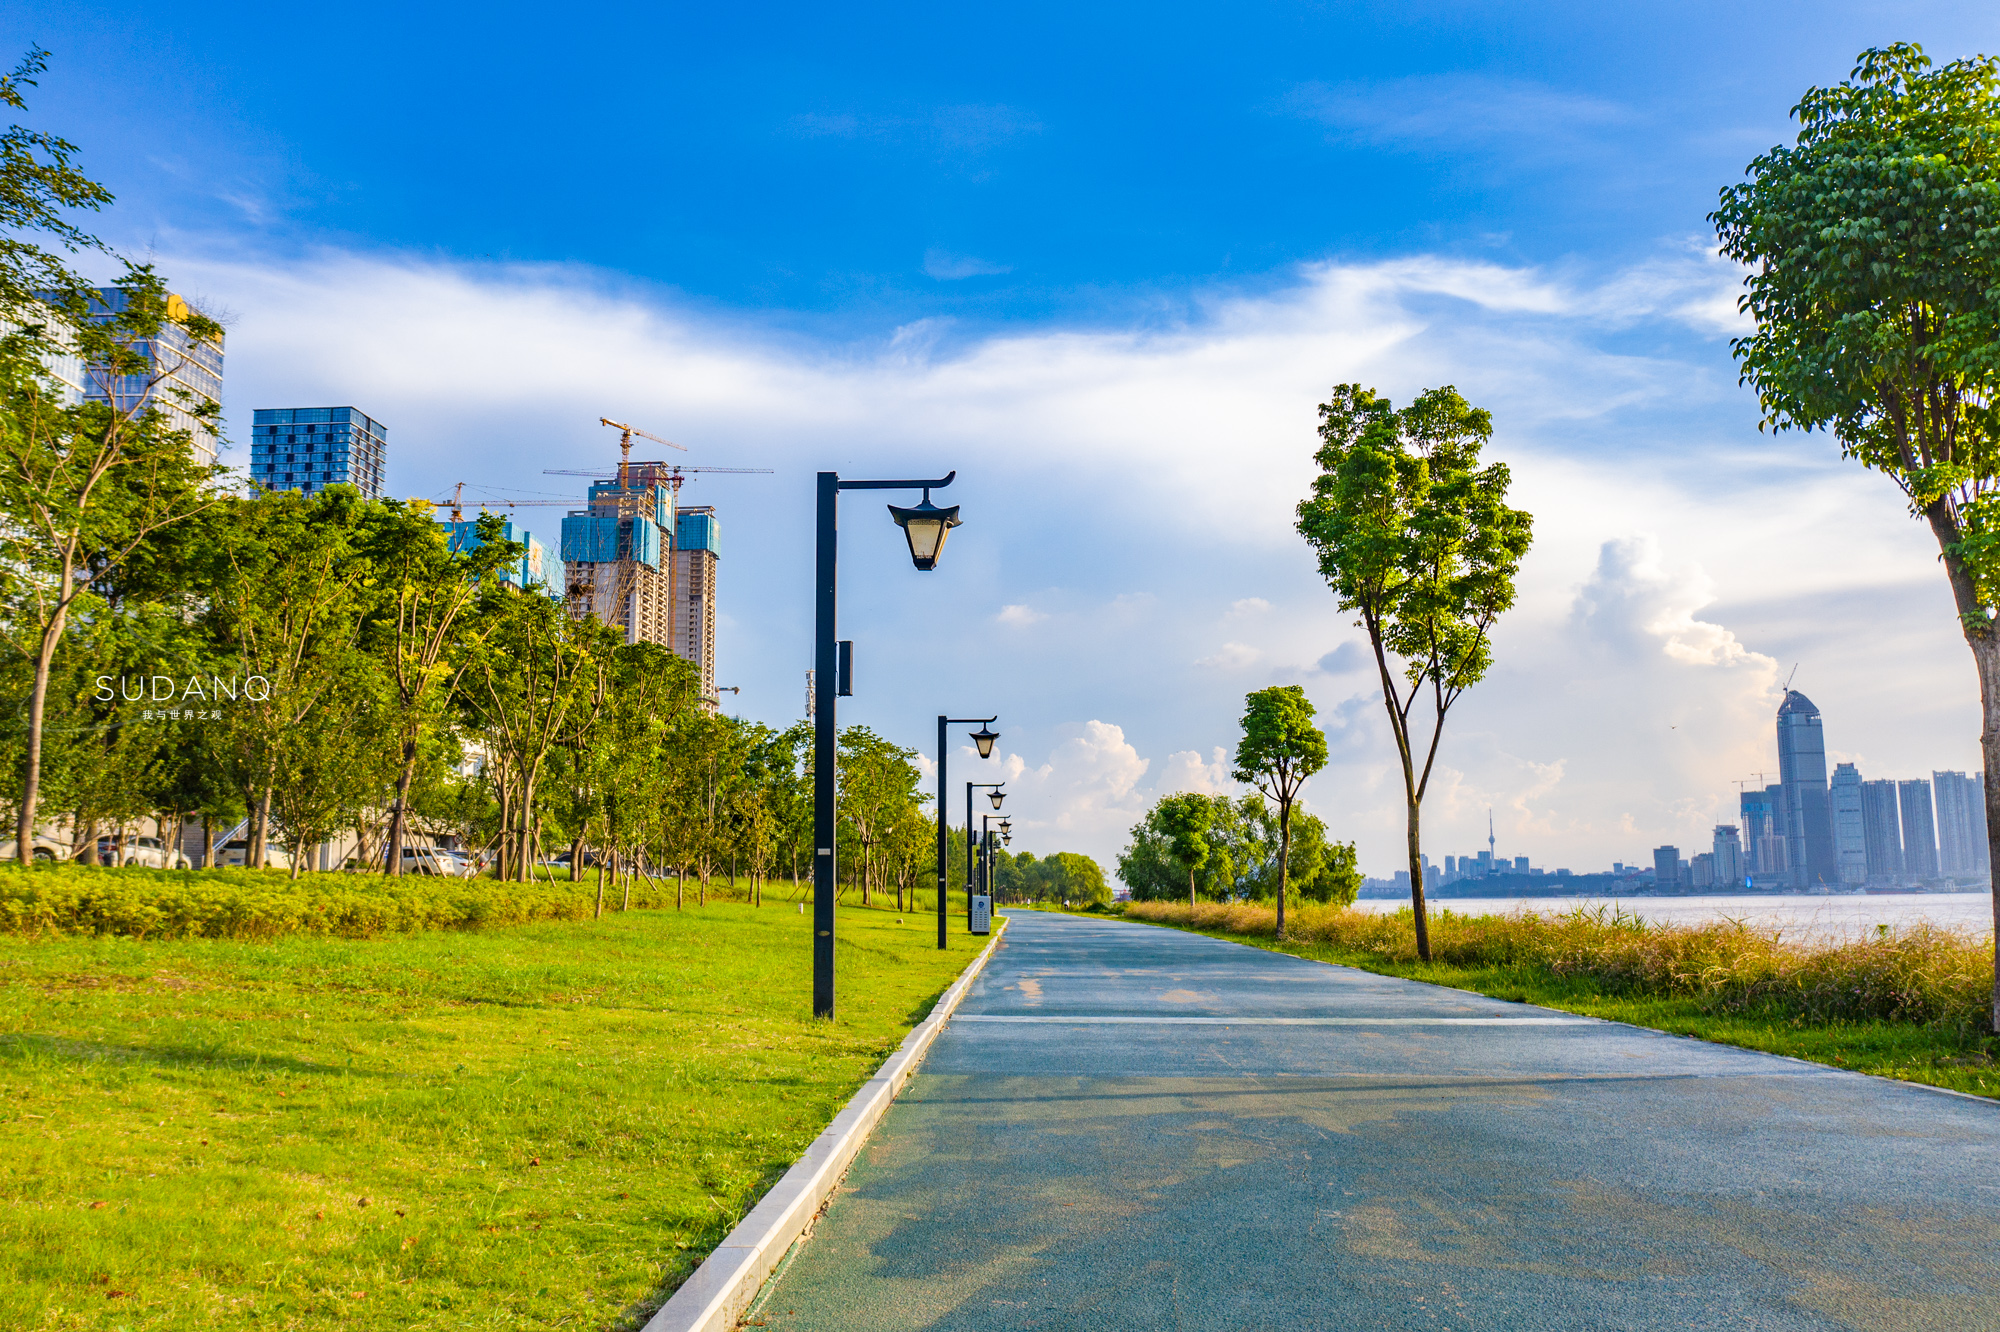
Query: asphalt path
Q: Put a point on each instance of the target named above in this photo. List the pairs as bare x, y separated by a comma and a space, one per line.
1131, 1127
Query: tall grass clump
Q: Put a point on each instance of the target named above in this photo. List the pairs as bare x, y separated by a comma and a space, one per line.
1920, 974
263, 904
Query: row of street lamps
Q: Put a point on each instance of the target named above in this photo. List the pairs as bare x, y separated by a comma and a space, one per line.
925, 526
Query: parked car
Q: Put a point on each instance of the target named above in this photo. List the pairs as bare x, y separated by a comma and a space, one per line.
147, 851
436, 860
235, 854
44, 849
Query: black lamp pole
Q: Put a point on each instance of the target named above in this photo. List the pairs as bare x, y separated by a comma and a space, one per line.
984, 739
923, 524
969, 788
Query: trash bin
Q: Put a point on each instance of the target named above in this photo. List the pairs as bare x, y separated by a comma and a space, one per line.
982, 914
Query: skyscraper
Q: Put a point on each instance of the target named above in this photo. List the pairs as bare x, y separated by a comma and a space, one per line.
1920, 858
1961, 823
1759, 810
1667, 868
1727, 855
1881, 830
1850, 843
1802, 774
310, 448
537, 568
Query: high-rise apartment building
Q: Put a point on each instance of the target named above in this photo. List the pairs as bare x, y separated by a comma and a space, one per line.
1961, 824
1881, 830
1802, 773
637, 560
1920, 857
310, 448
184, 372
1850, 843
697, 551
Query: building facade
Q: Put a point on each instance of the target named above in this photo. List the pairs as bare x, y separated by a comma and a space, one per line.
310, 448
1961, 824
185, 373
1802, 773
536, 567
1882, 831
1727, 855
1920, 857
1850, 843
697, 552
1667, 868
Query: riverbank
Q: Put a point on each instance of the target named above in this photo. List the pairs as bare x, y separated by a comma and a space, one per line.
1911, 1003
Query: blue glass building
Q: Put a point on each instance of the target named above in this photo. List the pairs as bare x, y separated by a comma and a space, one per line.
184, 373
310, 448
537, 567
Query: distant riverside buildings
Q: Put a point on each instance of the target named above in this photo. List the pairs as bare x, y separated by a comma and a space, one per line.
1805, 812
1961, 823
308, 449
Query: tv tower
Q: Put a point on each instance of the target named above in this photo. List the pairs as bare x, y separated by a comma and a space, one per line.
1490, 843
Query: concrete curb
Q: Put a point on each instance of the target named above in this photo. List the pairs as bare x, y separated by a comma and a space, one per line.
715, 1296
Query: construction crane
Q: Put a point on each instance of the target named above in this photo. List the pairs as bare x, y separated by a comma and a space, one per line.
625, 433
675, 472
457, 503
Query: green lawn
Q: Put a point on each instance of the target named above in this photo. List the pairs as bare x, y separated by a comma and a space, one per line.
538, 1126
1961, 1061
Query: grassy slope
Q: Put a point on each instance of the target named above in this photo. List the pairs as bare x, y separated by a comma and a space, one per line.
1887, 1049
540, 1126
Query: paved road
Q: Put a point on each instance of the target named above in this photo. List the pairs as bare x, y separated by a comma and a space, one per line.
1100, 1140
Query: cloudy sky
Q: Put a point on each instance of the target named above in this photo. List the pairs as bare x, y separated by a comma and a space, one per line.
1103, 261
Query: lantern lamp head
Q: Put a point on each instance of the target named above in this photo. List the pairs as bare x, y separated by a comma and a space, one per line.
926, 526
996, 797
984, 738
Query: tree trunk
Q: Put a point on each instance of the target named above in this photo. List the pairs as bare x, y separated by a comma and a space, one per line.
262, 828
86, 844
1284, 858
1190, 888
1986, 655
631, 868
207, 840
399, 816
576, 860
681, 888
38, 703
1418, 906
599, 912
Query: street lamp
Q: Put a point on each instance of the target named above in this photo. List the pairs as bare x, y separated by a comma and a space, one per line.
996, 797
925, 527
984, 738
989, 787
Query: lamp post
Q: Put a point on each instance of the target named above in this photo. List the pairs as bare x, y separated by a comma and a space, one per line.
925, 526
996, 795
983, 738
986, 853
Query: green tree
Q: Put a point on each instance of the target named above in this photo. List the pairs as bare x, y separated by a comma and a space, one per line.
1280, 750
1187, 820
1874, 249
1416, 537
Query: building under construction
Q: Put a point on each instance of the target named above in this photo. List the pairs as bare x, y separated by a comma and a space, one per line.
636, 559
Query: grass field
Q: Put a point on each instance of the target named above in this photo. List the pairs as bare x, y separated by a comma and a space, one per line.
538, 1126
1952, 1053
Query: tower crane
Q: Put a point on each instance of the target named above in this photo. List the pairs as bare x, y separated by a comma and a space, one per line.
675, 472
625, 433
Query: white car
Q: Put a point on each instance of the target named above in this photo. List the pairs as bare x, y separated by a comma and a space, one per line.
235, 854
436, 860
150, 852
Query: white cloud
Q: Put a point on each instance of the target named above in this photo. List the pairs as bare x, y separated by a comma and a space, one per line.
1249, 606
1231, 657
1140, 476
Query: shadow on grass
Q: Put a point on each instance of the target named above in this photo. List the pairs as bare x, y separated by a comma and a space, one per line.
24, 1047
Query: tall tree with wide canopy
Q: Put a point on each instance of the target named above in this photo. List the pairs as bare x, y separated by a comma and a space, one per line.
1280, 749
1186, 820
1415, 537
1874, 249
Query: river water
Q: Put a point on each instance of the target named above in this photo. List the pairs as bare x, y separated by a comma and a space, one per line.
1830, 918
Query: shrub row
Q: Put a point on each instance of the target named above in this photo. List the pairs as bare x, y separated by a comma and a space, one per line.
257, 904
1919, 974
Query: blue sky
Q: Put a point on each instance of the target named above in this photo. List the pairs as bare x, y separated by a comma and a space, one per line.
1103, 260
